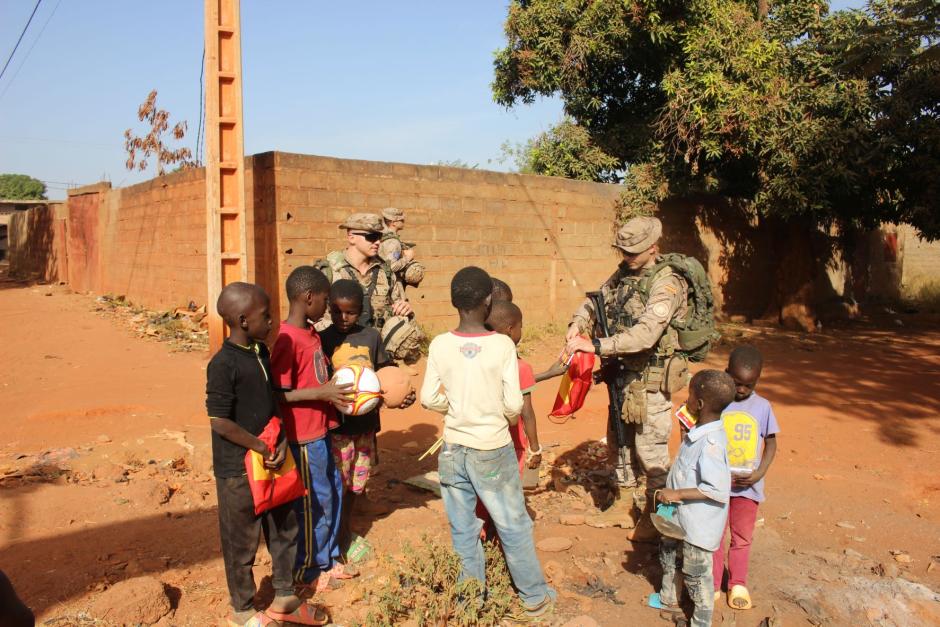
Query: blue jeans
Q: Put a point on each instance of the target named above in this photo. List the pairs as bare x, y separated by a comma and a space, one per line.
493, 477
317, 513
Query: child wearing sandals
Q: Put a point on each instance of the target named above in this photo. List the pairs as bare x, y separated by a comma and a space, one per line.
752, 428
239, 403
699, 483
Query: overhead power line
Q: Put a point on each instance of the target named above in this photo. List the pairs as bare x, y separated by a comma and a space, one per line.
28, 22
30, 50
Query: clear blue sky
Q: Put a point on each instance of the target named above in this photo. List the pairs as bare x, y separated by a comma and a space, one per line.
389, 81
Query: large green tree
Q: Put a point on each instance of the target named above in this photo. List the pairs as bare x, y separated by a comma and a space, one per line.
808, 118
21, 187
805, 112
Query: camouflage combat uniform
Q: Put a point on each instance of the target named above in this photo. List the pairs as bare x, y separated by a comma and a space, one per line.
387, 288
644, 348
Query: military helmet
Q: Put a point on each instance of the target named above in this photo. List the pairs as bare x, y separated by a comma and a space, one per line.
414, 274
402, 338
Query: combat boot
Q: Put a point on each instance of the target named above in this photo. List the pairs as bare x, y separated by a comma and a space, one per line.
620, 514
644, 531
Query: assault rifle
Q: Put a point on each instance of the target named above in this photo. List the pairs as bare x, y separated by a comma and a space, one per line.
616, 377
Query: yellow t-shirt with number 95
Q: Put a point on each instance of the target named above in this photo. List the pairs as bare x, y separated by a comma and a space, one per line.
744, 439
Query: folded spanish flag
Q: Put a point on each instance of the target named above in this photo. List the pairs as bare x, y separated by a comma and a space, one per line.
272, 487
574, 385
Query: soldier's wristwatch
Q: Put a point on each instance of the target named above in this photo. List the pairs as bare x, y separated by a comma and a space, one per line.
597, 346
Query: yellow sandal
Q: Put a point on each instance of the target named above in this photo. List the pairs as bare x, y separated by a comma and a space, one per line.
739, 598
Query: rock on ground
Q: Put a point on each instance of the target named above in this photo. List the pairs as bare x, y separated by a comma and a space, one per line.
138, 601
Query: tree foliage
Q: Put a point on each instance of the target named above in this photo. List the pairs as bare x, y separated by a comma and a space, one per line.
139, 149
565, 150
803, 112
21, 187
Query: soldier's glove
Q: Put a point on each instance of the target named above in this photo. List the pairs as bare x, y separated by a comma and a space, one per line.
634, 402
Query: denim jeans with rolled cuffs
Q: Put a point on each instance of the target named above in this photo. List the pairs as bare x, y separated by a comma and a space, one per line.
697, 573
493, 477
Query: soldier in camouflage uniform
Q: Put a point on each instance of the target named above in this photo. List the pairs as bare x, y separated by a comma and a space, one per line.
385, 294
391, 249
639, 309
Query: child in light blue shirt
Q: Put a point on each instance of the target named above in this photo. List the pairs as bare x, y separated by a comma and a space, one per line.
699, 483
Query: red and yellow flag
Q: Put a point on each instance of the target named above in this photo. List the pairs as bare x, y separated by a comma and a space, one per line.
272, 487
574, 385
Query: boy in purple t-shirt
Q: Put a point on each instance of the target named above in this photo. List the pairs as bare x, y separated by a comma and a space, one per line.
752, 443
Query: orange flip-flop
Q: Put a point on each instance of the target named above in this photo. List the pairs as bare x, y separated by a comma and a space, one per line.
306, 614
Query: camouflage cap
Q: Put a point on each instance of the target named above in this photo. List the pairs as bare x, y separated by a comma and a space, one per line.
392, 214
363, 222
638, 234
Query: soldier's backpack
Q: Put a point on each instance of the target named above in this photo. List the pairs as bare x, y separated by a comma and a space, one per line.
696, 332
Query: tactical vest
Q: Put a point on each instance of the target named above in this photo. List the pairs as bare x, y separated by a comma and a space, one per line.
376, 302
625, 301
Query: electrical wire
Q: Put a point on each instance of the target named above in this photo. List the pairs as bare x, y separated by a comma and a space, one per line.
26, 56
28, 22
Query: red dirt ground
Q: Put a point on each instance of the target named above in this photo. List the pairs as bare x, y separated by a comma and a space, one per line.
854, 477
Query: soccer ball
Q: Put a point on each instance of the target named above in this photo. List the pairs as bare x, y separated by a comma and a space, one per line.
365, 389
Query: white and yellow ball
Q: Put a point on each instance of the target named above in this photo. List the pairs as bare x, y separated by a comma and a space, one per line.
365, 393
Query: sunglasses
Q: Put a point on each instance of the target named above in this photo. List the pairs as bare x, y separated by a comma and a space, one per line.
369, 237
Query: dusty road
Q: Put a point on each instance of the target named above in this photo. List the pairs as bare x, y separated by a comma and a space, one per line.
855, 477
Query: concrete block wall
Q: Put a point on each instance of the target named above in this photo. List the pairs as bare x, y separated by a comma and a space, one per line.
37, 239
153, 241
549, 238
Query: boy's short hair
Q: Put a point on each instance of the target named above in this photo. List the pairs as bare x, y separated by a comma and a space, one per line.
504, 314
347, 289
469, 288
501, 290
305, 279
715, 388
236, 299
746, 357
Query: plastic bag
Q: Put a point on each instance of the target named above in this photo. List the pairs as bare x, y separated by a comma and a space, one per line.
272, 487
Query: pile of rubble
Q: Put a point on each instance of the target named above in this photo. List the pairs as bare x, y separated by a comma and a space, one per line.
186, 328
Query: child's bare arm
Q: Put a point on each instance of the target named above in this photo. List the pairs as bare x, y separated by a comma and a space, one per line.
531, 430
770, 451
555, 371
233, 432
329, 392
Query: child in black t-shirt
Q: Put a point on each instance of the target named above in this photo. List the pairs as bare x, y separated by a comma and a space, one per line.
240, 402
346, 342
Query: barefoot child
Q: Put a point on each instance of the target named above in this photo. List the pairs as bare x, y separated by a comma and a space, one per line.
300, 374
752, 428
346, 342
473, 379
699, 482
240, 402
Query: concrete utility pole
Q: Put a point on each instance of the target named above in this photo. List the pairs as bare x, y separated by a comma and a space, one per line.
226, 232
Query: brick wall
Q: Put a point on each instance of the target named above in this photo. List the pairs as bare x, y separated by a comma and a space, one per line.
37, 243
920, 276
82, 236
153, 241
549, 238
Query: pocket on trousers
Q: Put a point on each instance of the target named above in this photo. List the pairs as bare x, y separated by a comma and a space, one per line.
446, 466
491, 467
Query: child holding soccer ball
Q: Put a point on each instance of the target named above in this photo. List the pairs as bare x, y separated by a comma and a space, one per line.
346, 342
